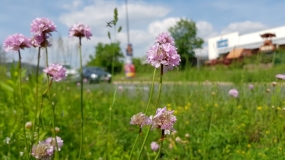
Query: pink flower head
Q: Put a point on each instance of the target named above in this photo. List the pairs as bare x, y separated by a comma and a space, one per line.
41, 26
42, 151
80, 30
250, 86
16, 42
163, 52
233, 93
164, 119
280, 76
140, 119
164, 38
154, 146
56, 71
40, 41
51, 142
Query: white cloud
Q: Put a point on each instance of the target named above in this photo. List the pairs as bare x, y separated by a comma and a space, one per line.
205, 30
162, 26
140, 16
244, 27
74, 5
96, 16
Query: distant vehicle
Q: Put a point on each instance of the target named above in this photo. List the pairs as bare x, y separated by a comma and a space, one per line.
95, 75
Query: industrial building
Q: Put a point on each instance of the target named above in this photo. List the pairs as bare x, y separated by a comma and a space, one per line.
235, 45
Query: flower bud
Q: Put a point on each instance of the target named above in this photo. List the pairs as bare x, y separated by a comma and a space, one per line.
29, 125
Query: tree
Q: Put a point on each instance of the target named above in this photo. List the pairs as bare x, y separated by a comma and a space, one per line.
184, 34
104, 54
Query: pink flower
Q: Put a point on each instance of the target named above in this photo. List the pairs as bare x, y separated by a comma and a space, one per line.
163, 52
51, 142
233, 93
140, 119
41, 26
164, 120
56, 71
80, 30
250, 86
16, 42
164, 38
154, 146
280, 76
40, 41
42, 151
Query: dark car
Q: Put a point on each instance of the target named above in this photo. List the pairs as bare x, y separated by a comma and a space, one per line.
95, 75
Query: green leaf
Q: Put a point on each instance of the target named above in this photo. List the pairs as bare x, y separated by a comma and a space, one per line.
115, 16
120, 28
6, 87
109, 35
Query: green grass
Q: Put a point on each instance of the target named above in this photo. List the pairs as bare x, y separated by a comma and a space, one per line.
220, 127
213, 74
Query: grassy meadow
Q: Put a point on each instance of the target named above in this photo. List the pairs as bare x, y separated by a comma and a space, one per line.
210, 123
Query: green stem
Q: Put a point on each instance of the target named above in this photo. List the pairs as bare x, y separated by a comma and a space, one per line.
134, 145
160, 145
81, 99
36, 100
21, 100
158, 99
144, 141
149, 100
53, 124
151, 91
110, 119
160, 85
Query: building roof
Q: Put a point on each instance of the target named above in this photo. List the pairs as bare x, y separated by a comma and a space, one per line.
237, 53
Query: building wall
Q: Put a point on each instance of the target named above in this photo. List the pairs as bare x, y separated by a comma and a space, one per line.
225, 43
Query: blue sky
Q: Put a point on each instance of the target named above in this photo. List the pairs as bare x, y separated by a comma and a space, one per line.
147, 19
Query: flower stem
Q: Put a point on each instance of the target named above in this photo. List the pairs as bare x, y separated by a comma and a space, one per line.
149, 100
36, 99
81, 99
53, 123
146, 136
160, 146
151, 91
158, 99
134, 146
21, 99
160, 85
110, 120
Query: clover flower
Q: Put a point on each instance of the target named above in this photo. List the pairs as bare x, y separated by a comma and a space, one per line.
51, 142
154, 146
16, 42
140, 119
280, 76
56, 71
164, 38
233, 93
42, 151
41, 26
164, 120
163, 53
80, 30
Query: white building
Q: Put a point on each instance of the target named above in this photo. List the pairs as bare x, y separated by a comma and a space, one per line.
225, 43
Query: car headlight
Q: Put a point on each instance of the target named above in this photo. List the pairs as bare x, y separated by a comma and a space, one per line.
93, 75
